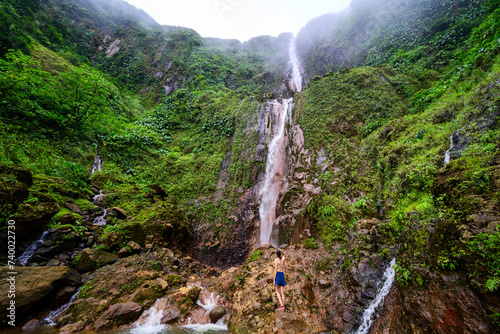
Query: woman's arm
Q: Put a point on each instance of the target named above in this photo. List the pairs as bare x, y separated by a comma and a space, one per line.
275, 269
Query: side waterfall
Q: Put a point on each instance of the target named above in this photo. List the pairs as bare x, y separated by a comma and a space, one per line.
388, 279
52, 317
274, 168
28, 253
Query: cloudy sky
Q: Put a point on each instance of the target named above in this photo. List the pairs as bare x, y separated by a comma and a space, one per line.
240, 19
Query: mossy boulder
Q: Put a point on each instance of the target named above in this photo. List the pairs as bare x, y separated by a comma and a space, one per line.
35, 288
31, 217
92, 259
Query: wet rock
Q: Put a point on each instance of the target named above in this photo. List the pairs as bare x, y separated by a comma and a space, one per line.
93, 259
216, 314
72, 328
117, 315
74, 207
30, 325
64, 295
53, 263
34, 286
119, 213
170, 314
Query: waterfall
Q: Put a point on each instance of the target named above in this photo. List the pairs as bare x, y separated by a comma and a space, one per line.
96, 167
388, 279
274, 174
50, 319
28, 253
447, 154
296, 82
274, 168
150, 320
99, 221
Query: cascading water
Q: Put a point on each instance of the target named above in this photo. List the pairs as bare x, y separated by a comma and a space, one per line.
274, 174
296, 82
388, 279
150, 320
274, 168
99, 221
96, 167
52, 317
447, 154
24, 259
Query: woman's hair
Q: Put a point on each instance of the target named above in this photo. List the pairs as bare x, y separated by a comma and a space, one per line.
278, 252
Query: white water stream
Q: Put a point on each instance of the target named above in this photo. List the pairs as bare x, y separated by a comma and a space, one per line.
28, 253
52, 317
274, 174
388, 279
274, 168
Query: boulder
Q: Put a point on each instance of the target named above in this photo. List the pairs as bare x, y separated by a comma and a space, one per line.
30, 325
93, 259
119, 213
366, 224
35, 287
30, 217
73, 207
216, 314
72, 328
118, 314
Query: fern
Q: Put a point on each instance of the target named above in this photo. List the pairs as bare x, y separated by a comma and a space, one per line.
492, 284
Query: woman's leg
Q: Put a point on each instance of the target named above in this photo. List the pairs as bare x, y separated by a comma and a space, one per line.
282, 290
278, 294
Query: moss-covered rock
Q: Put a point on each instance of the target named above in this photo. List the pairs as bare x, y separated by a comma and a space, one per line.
92, 259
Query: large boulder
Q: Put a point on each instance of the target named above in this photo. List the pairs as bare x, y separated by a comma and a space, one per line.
92, 259
35, 287
118, 314
31, 217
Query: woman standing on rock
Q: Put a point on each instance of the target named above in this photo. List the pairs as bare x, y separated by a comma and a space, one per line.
279, 278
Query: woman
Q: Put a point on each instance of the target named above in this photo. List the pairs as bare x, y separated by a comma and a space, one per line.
279, 278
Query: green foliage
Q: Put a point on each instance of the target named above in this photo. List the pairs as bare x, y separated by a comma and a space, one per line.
310, 243
255, 255
487, 247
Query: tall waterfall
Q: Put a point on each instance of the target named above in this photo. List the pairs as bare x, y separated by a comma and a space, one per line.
274, 174
296, 82
274, 169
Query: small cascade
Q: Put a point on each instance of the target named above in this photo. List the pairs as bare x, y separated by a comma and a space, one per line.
388, 279
296, 81
219, 326
274, 174
150, 320
101, 220
24, 259
447, 154
52, 317
96, 167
